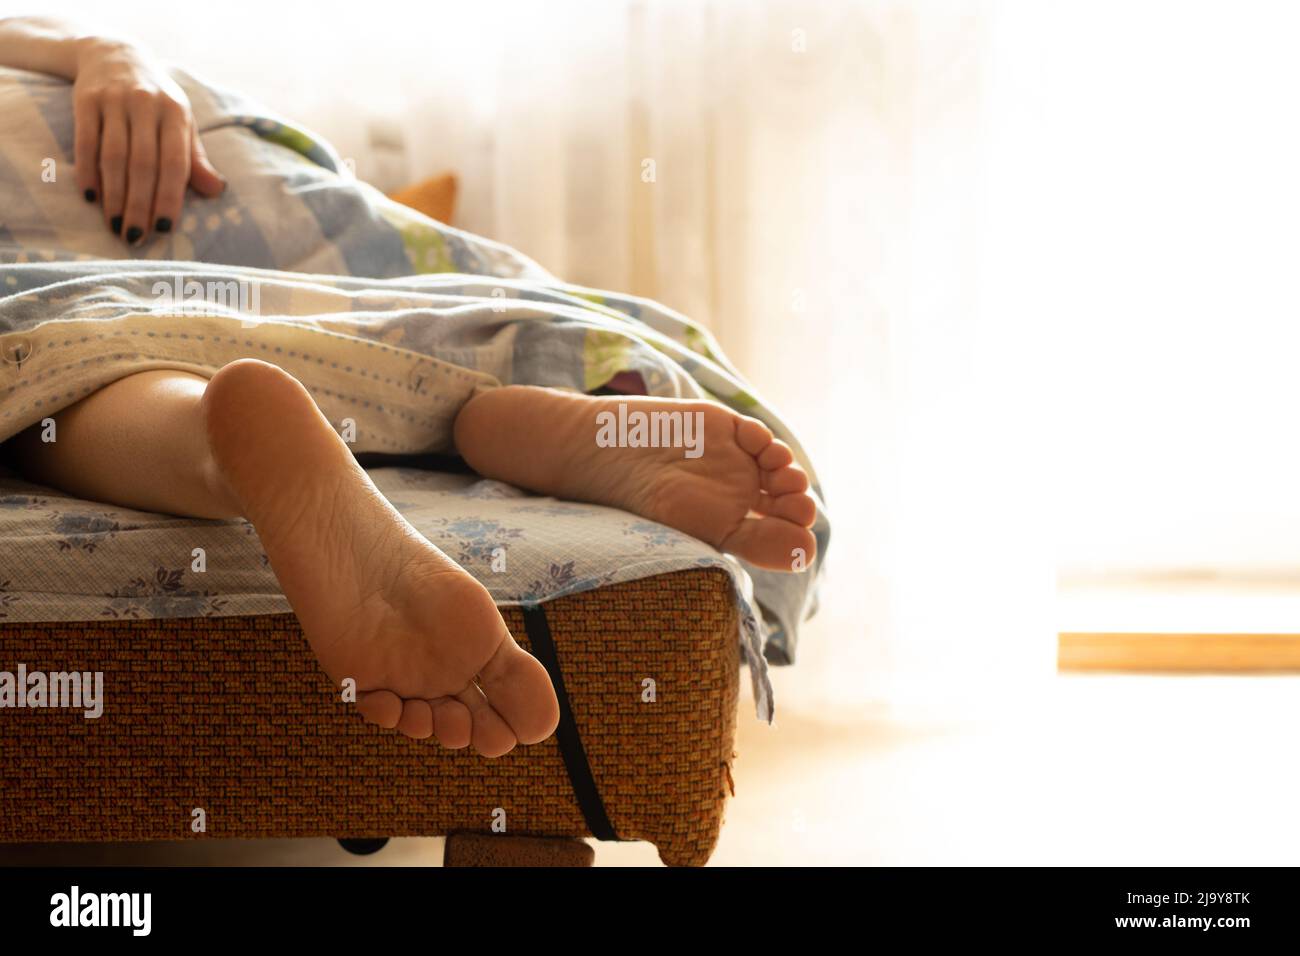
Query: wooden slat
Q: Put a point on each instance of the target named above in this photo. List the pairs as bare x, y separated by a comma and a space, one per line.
1237, 653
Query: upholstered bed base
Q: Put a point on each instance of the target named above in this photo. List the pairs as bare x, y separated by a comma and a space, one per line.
233, 717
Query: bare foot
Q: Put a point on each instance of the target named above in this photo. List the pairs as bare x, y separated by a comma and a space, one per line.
727, 481
377, 601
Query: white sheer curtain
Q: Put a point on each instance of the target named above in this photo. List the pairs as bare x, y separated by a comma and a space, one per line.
1180, 330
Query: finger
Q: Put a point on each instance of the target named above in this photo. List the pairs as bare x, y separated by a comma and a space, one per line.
113, 145
173, 171
85, 148
142, 169
204, 177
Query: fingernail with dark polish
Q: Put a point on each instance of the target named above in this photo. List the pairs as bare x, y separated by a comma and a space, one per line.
133, 235
90, 195
163, 225
116, 224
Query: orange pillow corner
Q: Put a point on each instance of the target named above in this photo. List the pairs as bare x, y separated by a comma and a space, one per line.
435, 196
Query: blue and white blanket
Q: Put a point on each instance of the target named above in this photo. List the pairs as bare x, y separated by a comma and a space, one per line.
390, 318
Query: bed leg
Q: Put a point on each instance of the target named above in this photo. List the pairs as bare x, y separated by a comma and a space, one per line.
477, 849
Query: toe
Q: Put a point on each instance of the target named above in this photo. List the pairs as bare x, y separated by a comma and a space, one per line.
520, 690
752, 435
489, 734
775, 455
416, 720
381, 707
451, 723
785, 481
772, 543
797, 508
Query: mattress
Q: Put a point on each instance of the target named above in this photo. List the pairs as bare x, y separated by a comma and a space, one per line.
66, 559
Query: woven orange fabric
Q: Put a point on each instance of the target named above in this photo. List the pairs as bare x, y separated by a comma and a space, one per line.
233, 715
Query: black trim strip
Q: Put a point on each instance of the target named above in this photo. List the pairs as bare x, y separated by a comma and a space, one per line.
571, 749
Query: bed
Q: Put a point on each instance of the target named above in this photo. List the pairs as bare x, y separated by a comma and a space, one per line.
217, 722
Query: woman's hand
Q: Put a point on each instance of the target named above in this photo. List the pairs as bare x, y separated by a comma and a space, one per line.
136, 144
